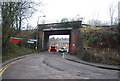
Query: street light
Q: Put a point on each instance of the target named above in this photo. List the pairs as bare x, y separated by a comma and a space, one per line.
39, 17
37, 31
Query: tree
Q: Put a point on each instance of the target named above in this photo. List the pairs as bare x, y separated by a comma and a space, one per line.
8, 14
26, 10
64, 20
111, 13
94, 22
13, 13
95, 19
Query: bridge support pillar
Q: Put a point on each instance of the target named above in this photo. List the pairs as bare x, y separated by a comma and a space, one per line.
40, 40
75, 41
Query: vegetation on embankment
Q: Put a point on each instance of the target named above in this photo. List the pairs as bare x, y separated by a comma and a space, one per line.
13, 16
14, 51
101, 45
11, 50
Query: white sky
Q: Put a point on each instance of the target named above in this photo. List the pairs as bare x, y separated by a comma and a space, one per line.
55, 10
59, 36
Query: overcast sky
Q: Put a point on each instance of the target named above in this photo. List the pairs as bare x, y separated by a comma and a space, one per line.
59, 36
55, 10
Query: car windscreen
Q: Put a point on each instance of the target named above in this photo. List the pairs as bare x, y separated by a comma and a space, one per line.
52, 46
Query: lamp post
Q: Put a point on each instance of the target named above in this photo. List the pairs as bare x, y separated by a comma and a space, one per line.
37, 32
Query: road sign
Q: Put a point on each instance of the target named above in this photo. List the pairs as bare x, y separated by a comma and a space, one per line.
31, 42
15, 40
73, 47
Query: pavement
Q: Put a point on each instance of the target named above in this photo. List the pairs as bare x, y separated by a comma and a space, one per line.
78, 60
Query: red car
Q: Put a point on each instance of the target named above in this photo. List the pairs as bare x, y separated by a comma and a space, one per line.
53, 48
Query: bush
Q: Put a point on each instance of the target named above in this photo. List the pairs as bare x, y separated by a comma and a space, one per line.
13, 54
102, 39
101, 46
9, 48
18, 51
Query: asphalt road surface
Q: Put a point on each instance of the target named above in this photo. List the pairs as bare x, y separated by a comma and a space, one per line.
47, 65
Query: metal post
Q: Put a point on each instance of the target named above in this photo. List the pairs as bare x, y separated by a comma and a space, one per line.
37, 34
37, 31
63, 56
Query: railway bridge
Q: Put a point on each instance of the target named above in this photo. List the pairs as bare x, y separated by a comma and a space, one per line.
67, 28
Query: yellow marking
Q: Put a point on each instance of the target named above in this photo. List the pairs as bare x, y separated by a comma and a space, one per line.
3, 70
6, 66
0, 69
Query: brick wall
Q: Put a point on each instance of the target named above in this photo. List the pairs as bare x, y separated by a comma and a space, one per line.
74, 39
40, 38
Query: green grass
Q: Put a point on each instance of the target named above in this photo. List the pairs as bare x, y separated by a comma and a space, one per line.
12, 50
100, 56
18, 52
0, 58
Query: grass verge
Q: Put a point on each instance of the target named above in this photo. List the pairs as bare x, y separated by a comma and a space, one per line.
100, 56
18, 52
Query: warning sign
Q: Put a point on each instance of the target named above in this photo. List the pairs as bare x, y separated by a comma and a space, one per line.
73, 47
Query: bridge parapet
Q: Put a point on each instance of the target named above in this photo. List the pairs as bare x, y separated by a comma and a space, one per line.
72, 24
